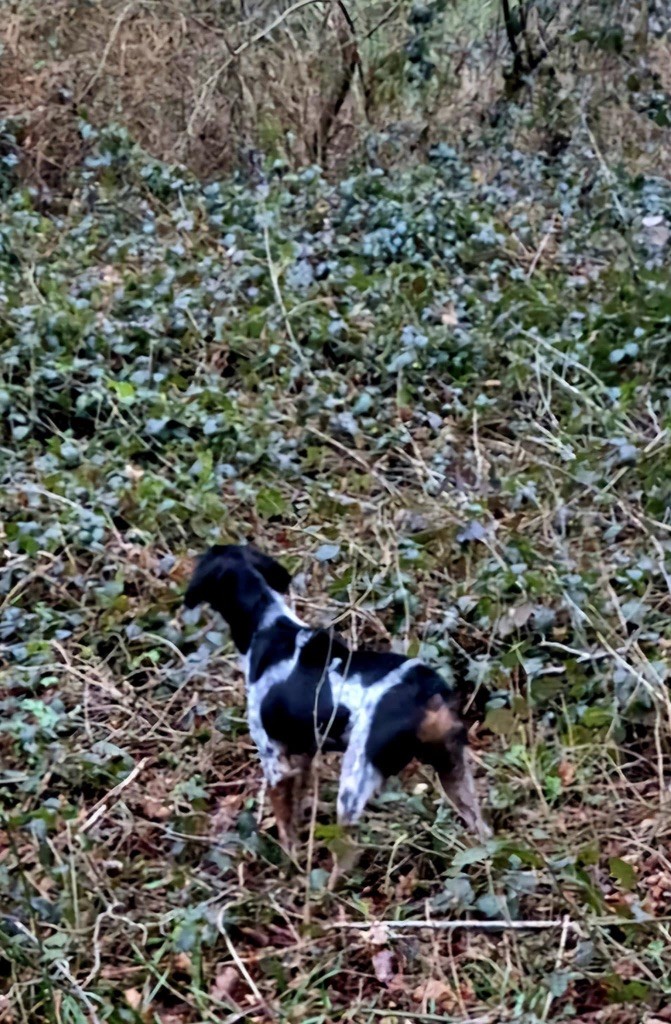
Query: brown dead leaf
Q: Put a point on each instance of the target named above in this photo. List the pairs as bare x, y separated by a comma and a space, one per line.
226, 812
378, 934
626, 967
133, 997
448, 316
566, 772
176, 1015
383, 965
155, 810
406, 885
225, 983
435, 991
182, 962
154, 796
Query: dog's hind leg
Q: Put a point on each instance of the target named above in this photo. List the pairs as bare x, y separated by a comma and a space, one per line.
459, 787
359, 781
359, 778
444, 744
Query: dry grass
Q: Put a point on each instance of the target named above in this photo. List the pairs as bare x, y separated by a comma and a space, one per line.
188, 913
146, 882
167, 72
206, 85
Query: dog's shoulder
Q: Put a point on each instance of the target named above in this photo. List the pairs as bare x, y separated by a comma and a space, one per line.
372, 666
272, 646
322, 647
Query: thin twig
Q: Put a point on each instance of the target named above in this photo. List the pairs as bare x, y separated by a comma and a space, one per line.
221, 928
558, 963
274, 280
100, 807
63, 968
106, 52
468, 923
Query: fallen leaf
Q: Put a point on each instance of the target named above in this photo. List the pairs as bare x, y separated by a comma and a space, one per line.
514, 618
435, 991
182, 962
448, 316
224, 983
383, 965
566, 772
500, 720
378, 934
155, 810
226, 813
624, 873
406, 885
133, 997
133, 473
174, 1016
626, 967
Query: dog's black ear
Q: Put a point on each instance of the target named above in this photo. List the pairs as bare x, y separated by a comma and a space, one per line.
208, 576
275, 575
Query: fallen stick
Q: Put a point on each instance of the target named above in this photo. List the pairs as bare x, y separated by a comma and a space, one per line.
499, 925
437, 926
100, 806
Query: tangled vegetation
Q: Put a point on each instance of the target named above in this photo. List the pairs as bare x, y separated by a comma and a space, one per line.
440, 392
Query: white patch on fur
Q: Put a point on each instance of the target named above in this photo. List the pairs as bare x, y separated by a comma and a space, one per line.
359, 779
279, 609
272, 754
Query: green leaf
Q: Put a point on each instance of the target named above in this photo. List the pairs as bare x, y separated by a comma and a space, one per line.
124, 390
500, 721
597, 717
472, 856
270, 502
319, 879
623, 872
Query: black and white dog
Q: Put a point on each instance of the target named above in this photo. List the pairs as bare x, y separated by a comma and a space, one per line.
307, 691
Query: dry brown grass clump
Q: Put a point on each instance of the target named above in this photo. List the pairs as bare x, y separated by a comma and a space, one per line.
193, 83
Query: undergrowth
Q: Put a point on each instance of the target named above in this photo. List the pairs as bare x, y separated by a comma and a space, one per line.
443, 399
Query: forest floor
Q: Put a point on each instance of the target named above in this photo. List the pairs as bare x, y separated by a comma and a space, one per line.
441, 395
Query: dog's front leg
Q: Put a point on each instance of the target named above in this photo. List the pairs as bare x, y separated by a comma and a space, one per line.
282, 803
277, 771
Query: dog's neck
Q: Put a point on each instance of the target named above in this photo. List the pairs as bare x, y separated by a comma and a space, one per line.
257, 606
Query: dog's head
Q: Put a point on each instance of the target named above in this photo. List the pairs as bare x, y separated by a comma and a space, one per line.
224, 568
235, 580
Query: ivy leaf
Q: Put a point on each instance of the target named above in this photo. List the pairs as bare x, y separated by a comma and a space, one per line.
623, 872
270, 502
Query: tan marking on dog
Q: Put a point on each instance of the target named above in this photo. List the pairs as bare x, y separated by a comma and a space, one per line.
438, 721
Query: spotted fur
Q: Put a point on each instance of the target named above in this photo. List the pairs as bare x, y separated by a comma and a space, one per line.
307, 691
